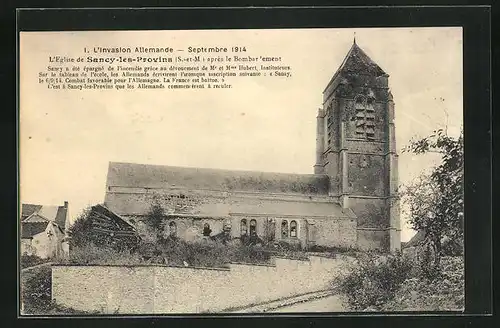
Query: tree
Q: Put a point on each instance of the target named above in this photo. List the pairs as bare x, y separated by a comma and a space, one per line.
155, 219
435, 200
80, 232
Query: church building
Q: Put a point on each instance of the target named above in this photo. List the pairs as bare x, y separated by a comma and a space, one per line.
349, 201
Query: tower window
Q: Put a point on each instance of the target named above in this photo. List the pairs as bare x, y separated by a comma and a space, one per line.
365, 117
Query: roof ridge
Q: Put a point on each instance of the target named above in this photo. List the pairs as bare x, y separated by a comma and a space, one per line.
38, 214
214, 169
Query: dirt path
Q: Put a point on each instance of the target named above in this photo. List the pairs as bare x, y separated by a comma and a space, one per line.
330, 303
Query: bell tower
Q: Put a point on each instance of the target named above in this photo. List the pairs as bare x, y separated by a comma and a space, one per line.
356, 148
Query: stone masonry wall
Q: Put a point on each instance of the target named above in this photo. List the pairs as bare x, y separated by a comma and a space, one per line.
162, 289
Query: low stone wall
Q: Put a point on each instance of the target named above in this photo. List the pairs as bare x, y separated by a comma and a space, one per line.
163, 289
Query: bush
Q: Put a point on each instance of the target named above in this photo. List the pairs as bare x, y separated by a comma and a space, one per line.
91, 254
36, 290
332, 250
373, 280
27, 261
204, 253
444, 293
36, 298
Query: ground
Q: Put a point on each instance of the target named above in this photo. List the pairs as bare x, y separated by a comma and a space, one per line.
326, 304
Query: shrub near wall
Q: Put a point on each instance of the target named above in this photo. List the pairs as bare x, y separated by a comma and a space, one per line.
444, 293
373, 280
27, 261
204, 253
36, 298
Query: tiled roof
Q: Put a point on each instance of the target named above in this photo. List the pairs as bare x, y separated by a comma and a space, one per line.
56, 214
30, 229
28, 209
60, 218
357, 61
106, 212
157, 176
35, 217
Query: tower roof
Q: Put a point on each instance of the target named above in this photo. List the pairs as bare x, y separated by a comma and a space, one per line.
357, 62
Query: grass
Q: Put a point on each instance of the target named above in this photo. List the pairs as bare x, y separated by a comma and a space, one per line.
36, 295
27, 261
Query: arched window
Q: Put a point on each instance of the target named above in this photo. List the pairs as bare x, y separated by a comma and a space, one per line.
227, 226
206, 230
243, 227
173, 228
293, 229
253, 227
284, 229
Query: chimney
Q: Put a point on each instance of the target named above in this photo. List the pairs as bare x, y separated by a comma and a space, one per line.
65, 204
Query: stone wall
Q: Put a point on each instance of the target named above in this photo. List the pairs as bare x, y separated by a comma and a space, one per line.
163, 289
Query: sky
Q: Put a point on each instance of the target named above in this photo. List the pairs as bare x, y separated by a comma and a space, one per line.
68, 137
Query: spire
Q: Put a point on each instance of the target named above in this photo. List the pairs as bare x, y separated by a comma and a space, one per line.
357, 61
354, 38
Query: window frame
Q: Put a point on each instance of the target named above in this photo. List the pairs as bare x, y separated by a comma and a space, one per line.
172, 232
252, 224
205, 226
243, 224
284, 223
365, 117
294, 224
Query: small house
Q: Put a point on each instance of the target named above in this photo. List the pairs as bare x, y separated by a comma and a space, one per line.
43, 229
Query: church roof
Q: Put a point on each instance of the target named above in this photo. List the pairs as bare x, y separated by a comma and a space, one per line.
158, 177
357, 62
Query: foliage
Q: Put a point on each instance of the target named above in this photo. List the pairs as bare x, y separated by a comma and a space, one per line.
204, 253
36, 289
373, 280
92, 254
155, 217
333, 250
36, 295
82, 234
27, 261
435, 200
443, 293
